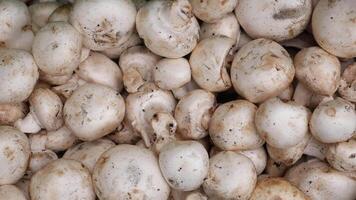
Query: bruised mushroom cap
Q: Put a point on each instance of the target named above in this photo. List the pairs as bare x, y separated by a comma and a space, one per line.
318, 70
184, 164
88, 153
168, 28
231, 176
347, 88
341, 156
15, 153
57, 48
261, 69
276, 20
61, 13
208, 63
193, 113
62, 179
276, 188
333, 121
11, 192
232, 126
334, 27
212, 10
103, 23
135, 172
18, 75
40, 159
93, 111
11, 112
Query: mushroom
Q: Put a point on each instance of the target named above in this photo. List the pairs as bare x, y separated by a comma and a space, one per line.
55, 79
275, 169
135, 172
14, 156
304, 97
315, 149
182, 91
39, 159
62, 179
40, 13
168, 28
303, 40
88, 153
45, 112
232, 126
18, 75
125, 134
24, 185
261, 69
282, 125
103, 23
184, 164
211, 10
333, 121
341, 156
172, 73
93, 111
334, 27
11, 192
208, 63
347, 88
231, 176
61, 14
276, 20
57, 38
115, 53
193, 113
191, 195
287, 94
11, 112
60, 139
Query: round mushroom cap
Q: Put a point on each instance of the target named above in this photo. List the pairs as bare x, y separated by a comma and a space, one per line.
258, 157
275, 20
318, 70
342, 156
231, 176
18, 75
40, 159
334, 28
333, 121
93, 111
40, 12
14, 154
232, 126
184, 164
60, 139
57, 48
62, 179
168, 28
347, 88
212, 10
11, 192
281, 124
103, 23
261, 69
133, 170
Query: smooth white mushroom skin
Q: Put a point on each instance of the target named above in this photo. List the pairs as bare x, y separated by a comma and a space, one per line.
304, 97
258, 157
62, 179
342, 156
184, 164
11, 192
261, 69
103, 23
334, 29
276, 20
135, 172
93, 111
211, 10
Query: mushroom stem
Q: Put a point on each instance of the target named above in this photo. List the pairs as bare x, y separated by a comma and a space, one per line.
29, 124
164, 127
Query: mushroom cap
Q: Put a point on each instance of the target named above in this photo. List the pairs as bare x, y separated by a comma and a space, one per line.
231, 176
168, 28
62, 179
135, 172
11, 112
318, 70
184, 164
347, 88
57, 48
61, 13
115, 52
24, 185
40, 159
103, 23
11, 192
60, 139
88, 153
55, 79
208, 63
334, 28
282, 125
40, 12
211, 10
232, 126
14, 156
333, 121
276, 20
341, 156
261, 69
258, 156
93, 111
18, 75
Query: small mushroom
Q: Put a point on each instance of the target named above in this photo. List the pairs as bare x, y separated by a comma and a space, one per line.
60, 139
342, 156
55, 79
304, 97
40, 13
11, 192
11, 112
125, 134
39, 159
315, 149
287, 94
211, 10
182, 91
347, 88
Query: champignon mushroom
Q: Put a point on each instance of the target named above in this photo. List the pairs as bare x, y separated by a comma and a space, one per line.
61, 14
347, 88
211, 10
60, 139
125, 134
11, 112
304, 97
182, 91
115, 53
275, 169
39, 159
40, 12
11, 192
341, 156
315, 149
55, 79
287, 94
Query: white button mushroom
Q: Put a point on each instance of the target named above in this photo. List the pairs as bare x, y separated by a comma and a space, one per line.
60, 139
93, 111
55, 79
129, 172
103, 23
342, 156
40, 12
168, 28
62, 179
11, 192
39, 159
182, 91
276, 20
11, 112
212, 10
304, 97
347, 88
24, 186
125, 134
261, 69
287, 94
316, 149
61, 14
275, 169
115, 53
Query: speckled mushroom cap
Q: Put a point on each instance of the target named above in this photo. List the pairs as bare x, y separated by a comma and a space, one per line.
341, 156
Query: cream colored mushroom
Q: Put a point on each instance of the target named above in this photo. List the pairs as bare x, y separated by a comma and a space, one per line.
125, 134
24, 186
55, 79
287, 94
211, 10
275, 169
342, 156
115, 53
61, 14
11, 192
168, 28
39, 159
182, 91
316, 149
11, 112
60, 139
303, 96
40, 13
347, 88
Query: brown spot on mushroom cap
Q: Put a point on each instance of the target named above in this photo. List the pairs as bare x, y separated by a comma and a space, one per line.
9, 153
330, 112
288, 13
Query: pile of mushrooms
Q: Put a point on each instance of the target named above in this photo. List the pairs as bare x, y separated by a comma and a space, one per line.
177, 99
